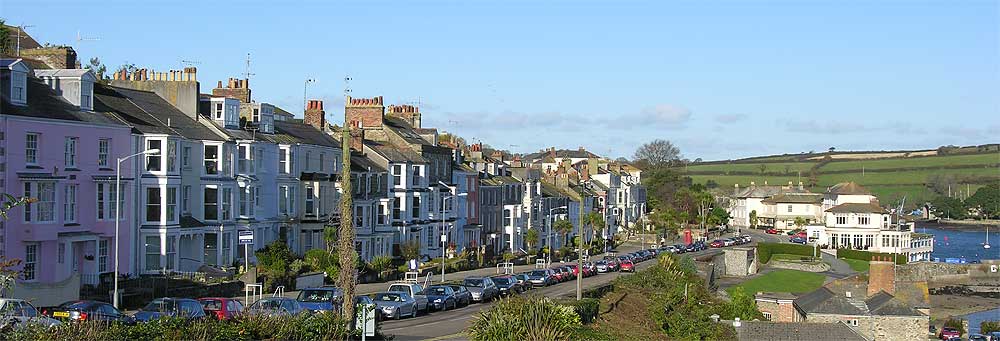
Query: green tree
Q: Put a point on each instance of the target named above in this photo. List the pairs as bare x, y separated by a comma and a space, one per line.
525, 318
743, 306
987, 327
800, 222
5, 40
563, 227
945, 207
100, 71
410, 250
273, 262
323, 260
763, 168
986, 201
531, 238
380, 264
753, 219
596, 222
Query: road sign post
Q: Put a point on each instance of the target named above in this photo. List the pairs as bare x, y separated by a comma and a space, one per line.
246, 239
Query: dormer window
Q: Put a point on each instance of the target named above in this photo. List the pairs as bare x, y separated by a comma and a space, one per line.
18, 83
74, 85
86, 95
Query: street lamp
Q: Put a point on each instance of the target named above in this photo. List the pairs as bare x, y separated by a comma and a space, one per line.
444, 233
118, 209
305, 90
549, 234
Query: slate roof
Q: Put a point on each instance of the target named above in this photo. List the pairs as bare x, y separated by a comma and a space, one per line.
885, 304
766, 191
507, 180
824, 301
562, 153
396, 154
61, 73
360, 163
43, 102
795, 198
463, 167
856, 208
404, 129
148, 113
848, 188
795, 331
287, 132
549, 190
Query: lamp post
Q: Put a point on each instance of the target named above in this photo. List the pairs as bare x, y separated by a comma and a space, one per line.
549, 232
444, 233
305, 90
118, 210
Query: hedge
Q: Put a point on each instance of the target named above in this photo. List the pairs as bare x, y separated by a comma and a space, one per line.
765, 250
587, 308
867, 256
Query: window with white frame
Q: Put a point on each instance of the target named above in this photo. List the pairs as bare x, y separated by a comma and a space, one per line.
61, 253
154, 204
227, 159
153, 160
864, 220
211, 199
211, 159
44, 207
69, 203
397, 209
171, 156
106, 201
18, 82
416, 175
186, 199
102, 256
227, 249
248, 197
311, 201
171, 204
381, 214
219, 110
244, 159
30, 262
397, 175
841, 219
152, 251
416, 207
282, 199
171, 252
227, 203
103, 152
69, 152
284, 157
31, 148
186, 157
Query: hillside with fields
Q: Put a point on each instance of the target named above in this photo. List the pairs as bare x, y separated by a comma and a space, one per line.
917, 175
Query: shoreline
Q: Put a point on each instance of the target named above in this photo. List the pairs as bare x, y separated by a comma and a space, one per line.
957, 225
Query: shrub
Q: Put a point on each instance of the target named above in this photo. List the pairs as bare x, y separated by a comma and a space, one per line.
867, 256
765, 250
987, 327
586, 308
525, 318
955, 323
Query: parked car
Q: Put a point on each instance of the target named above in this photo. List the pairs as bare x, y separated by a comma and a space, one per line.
522, 280
21, 313
462, 294
679, 248
482, 288
221, 308
441, 297
567, 273
276, 306
717, 243
978, 337
797, 240
323, 299
948, 333
628, 266
506, 285
365, 302
395, 304
771, 231
173, 307
612, 263
542, 278
84, 310
415, 291
602, 266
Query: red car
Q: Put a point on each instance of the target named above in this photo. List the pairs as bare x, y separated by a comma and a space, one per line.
948, 333
220, 307
801, 234
771, 231
628, 266
558, 275
717, 243
576, 271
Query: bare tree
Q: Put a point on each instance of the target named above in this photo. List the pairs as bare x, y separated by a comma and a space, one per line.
659, 152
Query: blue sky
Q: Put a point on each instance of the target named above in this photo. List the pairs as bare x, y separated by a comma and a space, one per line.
721, 79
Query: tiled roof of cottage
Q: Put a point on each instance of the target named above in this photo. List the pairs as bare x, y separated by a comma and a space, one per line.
824, 301
148, 113
848, 188
43, 102
856, 208
795, 198
765, 191
288, 132
360, 163
795, 331
396, 154
885, 304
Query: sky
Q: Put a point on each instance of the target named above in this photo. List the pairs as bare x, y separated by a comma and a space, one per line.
720, 79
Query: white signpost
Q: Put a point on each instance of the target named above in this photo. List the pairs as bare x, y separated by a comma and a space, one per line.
246, 239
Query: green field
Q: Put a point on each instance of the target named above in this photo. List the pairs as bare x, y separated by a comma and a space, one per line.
890, 179
791, 281
856, 265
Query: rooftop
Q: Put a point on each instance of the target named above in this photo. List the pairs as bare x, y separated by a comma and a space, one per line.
848, 188
148, 113
781, 331
856, 208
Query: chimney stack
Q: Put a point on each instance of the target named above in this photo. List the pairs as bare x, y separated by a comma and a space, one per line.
881, 275
314, 115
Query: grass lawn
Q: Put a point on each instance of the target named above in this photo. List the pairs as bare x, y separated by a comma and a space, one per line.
791, 281
792, 258
856, 265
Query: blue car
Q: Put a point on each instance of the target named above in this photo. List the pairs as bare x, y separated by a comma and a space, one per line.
173, 307
441, 297
324, 299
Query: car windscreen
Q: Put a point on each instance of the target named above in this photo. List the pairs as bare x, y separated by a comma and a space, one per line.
538, 273
77, 305
266, 304
386, 297
211, 304
315, 296
437, 290
161, 305
473, 282
501, 280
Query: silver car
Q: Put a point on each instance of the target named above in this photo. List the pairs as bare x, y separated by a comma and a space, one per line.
16, 313
395, 304
276, 306
482, 288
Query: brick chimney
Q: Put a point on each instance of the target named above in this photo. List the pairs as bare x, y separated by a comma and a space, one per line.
357, 139
364, 113
881, 275
179, 87
235, 88
409, 113
314, 115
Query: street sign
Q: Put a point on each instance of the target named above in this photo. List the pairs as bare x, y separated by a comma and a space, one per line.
993, 268
246, 237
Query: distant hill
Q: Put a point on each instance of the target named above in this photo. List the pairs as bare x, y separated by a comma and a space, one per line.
919, 175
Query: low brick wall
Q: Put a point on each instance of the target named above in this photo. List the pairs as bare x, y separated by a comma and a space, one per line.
809, 267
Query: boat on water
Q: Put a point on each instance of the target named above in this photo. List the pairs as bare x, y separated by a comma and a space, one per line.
986, 245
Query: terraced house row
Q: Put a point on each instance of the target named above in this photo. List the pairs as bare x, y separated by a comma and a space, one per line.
197, 169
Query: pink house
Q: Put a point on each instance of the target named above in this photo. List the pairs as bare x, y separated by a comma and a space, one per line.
59, 152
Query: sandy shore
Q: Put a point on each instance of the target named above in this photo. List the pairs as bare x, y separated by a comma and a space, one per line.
958, 225
945, 306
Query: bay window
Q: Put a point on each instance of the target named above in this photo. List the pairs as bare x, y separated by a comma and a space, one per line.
153, 204
171, 156
152, 253
153, 160
211, 199
171, 204
211, 159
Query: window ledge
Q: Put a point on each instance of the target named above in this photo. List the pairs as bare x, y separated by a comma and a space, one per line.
71, 224
71, 169
106, 169
33, 167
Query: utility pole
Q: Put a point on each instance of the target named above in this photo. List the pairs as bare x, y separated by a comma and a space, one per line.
346, 247
19, 30
579, 253
305, 91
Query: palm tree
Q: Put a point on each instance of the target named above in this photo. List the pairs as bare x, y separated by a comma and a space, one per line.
380, 264
593, 219
800, 222
753, 219
564, 227
531, 238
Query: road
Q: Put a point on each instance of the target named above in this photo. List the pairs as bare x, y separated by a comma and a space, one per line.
449, 324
